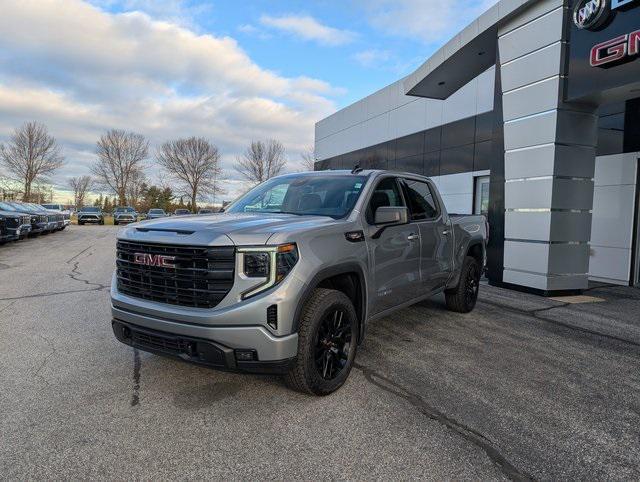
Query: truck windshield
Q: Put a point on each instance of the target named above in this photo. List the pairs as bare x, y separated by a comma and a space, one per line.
303, 194
156, 211
90, 210
52, 206
125, 210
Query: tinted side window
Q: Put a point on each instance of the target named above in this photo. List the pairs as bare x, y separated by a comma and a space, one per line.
387, 193
420, 200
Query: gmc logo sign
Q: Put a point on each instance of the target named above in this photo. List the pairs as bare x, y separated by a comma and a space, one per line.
158, 260
619, 49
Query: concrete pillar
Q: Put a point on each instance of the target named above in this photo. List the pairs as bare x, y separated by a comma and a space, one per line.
549, 155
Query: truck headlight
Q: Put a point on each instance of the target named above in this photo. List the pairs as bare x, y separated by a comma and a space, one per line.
271, 262
256, 265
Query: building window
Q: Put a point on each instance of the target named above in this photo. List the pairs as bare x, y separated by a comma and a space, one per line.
481, 195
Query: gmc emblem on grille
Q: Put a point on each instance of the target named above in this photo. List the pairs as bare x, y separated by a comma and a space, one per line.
158, 260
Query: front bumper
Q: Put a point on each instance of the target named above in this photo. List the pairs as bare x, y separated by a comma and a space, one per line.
38, 228
23, 230
89, 219
8, 236
197, 350
268, 347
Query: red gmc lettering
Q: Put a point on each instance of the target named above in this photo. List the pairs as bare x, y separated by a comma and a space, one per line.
609, 51
154, 260
615, 49
634, 42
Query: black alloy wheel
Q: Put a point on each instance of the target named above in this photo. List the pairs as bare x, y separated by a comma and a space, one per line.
327, 343
333, 344
463, 297
472, 284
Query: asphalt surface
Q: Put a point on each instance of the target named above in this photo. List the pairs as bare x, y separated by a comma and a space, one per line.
523, 387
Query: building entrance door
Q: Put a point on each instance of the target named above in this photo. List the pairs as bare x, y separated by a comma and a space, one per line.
481, 195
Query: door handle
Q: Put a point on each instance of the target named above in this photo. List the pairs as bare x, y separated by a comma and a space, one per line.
413, 237
446, 232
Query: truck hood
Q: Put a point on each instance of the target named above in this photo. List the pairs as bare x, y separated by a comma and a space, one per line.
241, 228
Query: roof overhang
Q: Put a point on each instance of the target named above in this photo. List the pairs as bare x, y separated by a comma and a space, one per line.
465, 56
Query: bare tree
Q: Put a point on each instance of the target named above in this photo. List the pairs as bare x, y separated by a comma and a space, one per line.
30, 155
135, 188
261, 161
195, 164
309, 159
81, 186
121, 157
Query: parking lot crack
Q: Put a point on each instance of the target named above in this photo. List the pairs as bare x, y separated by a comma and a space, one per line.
52, 351
468, 433
538, 312
137, 364
50, 293
75, 273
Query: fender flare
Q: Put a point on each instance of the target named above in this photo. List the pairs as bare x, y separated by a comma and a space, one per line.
342, 268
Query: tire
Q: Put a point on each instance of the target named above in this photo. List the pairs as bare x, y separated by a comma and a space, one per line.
115, 223
462, 298
80, 223
322, 366
101, 223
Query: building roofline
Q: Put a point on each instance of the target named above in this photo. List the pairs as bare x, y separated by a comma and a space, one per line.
466, 55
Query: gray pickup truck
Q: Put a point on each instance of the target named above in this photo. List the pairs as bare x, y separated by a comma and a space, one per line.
287, 278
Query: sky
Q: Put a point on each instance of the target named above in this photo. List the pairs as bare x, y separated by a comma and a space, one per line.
228, 71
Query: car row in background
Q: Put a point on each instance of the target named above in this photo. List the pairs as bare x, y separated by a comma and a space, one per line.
125, 215
19, 220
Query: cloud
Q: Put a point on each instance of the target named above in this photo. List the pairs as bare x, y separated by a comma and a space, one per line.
82, 70
372, 57
181, 12
429, 22
308, 28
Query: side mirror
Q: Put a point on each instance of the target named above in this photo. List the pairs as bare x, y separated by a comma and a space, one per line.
391, 215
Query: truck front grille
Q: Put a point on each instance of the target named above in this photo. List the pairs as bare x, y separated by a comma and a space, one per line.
12, 223
199, 277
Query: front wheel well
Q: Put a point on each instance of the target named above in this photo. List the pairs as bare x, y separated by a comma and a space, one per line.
351, 285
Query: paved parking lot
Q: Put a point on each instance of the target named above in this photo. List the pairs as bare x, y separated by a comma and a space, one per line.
523, 387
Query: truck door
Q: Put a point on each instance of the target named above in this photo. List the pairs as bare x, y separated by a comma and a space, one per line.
435, 233
395, 254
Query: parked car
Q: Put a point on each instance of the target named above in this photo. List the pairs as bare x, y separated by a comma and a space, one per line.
90, 214
123, 215
285, 280
156, 213
54, 217
59, 208
205, 211
39, 221
182, 212
13, 225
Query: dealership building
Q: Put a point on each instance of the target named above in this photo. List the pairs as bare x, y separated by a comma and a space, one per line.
530, 115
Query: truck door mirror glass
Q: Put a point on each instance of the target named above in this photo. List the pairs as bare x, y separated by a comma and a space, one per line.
391, 215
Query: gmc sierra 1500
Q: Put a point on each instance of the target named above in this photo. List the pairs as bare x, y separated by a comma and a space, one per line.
286, 279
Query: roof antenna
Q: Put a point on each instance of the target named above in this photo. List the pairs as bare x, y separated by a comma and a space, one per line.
356, 169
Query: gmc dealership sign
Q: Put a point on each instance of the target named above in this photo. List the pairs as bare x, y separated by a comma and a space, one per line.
604, 47
620, 49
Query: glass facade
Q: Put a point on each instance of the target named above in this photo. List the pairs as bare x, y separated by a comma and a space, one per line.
467, 145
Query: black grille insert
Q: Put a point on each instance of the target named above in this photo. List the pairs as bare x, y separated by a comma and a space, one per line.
201, 278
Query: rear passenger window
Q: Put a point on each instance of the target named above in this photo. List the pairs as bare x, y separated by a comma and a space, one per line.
420, 199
